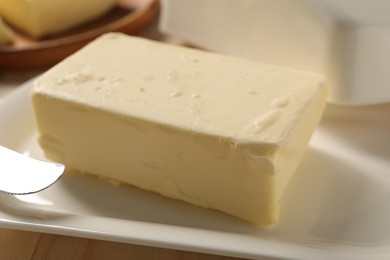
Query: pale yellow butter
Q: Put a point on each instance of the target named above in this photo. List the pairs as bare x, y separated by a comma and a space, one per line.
211, 130
43, 17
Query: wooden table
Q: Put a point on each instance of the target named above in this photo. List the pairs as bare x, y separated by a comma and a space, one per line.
22, 245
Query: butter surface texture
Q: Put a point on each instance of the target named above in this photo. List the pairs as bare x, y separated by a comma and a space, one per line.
42, 17
211, 130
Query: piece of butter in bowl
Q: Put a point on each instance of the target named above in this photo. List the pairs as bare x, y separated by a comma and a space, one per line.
42, 17
348, 41
5, 33
211, 130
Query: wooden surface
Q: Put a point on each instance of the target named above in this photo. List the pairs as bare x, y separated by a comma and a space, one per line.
22, 245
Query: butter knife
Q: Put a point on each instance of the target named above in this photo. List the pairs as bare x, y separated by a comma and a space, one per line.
21, 174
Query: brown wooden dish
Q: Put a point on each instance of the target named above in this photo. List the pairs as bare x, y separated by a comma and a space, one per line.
129, 16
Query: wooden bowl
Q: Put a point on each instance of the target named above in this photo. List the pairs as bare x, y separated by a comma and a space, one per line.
129, 16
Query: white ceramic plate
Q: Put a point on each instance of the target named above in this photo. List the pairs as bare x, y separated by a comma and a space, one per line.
336, 207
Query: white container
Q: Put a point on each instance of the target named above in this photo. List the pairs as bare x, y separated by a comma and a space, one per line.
346, 40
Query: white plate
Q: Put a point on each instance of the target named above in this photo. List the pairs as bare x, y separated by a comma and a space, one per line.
336, 207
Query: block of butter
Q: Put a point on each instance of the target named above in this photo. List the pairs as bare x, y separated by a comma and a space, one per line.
212, 130
43, 17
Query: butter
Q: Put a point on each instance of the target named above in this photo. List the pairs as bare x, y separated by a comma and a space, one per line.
42, 17
211, 130
5, 33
